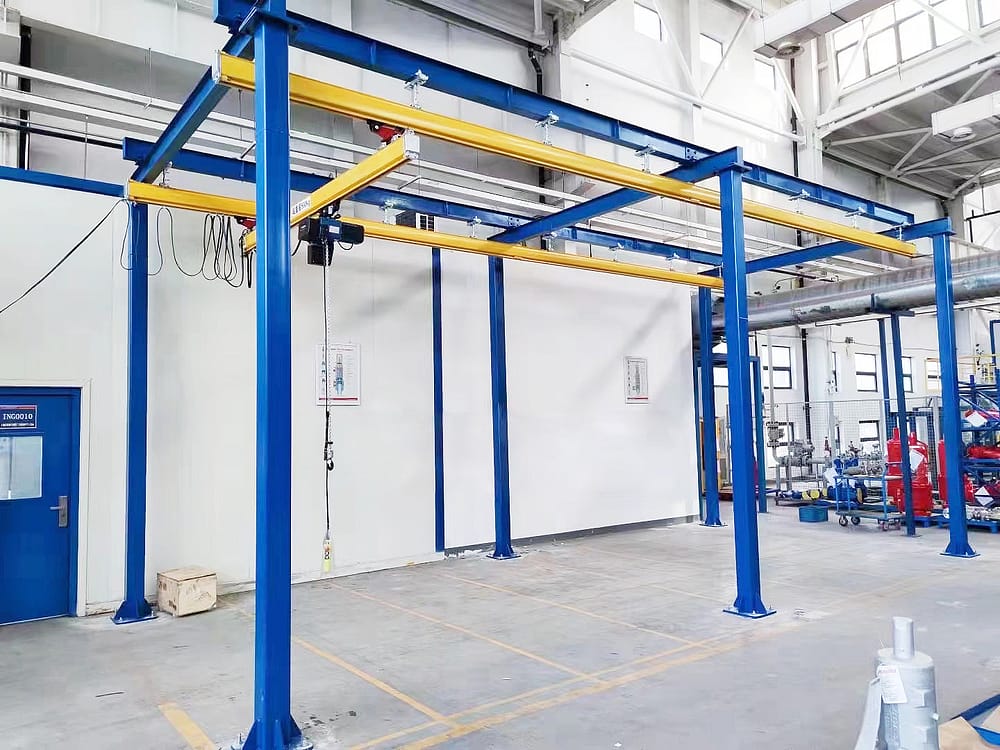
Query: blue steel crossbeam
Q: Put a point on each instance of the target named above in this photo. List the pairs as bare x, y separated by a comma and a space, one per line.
347, 46
615, 200
829, 249
200, 102
234, 169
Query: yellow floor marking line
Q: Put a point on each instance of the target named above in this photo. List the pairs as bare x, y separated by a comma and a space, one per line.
568, 608
721, 602
544, 689
531, 708
184, 725
385, 687
437, 716
462, 630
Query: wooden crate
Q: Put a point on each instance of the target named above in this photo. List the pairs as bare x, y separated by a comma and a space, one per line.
185, 591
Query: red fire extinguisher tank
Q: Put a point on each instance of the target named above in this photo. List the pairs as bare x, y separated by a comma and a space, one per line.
968, 489
917, 455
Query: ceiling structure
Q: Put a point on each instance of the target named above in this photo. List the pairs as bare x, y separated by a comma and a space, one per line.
898, 141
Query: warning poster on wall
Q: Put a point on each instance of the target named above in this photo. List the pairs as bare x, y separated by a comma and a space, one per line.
342, 364
636, 381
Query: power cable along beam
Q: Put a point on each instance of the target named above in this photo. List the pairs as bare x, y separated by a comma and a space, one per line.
239, 73
208, 203
399, 152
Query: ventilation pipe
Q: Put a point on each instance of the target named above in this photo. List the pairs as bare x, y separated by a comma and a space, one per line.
974, 278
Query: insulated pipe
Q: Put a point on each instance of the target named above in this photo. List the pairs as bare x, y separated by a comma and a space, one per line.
974, 278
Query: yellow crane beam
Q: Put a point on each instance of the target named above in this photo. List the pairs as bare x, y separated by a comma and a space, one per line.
208, 203
347, 183
239, 73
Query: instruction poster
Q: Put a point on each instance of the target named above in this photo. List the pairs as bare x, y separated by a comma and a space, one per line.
636, 381
342, 364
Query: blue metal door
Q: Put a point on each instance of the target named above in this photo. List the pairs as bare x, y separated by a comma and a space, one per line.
39, 468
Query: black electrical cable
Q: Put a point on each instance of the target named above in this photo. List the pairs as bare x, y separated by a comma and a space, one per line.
328, 440
159, 247
62, 260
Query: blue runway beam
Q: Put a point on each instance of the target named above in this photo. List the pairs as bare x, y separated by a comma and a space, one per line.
49, 179
273, 727
135, 608
761, 457
613, 201
205, 96
235, 169
902, 423
748, 601
502, 549
842, 247
951, 425
710, 449
364, 52
438, 385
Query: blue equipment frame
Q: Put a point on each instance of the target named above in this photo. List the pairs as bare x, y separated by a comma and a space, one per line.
270, 24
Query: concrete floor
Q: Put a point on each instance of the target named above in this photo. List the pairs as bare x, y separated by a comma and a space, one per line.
610, 641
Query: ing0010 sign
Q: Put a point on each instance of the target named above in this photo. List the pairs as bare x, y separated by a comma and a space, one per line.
18, 417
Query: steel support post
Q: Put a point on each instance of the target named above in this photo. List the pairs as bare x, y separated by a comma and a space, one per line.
502, 549
135, 608
438, 365
699, 455
883, 355
758, 387
710, 449
993, 354
748, 597
951, 427
273, 727
903, 423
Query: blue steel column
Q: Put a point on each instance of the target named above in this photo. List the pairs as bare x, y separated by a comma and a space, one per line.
696, 380
135, 608
883, 351
710, 448
993, 353
903, 424
758, 387
748, 599
438, 364
958, 532
273, 727
502, 549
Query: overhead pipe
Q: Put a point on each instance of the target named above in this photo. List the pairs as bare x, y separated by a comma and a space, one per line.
976, 277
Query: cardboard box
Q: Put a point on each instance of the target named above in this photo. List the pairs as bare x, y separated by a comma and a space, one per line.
185, 591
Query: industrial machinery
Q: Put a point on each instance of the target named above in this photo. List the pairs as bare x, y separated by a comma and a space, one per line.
918, 456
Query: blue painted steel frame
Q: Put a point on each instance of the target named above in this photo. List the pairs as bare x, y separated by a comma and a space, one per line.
710, 448
502, 549
702, 169
273, 727
364, 52
696, 381
951, 427
48, 179
829, 249
135, 608
200, 102
902, 424
438, 376
234, 169
748, 601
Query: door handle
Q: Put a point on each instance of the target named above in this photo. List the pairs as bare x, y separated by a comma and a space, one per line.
63, 509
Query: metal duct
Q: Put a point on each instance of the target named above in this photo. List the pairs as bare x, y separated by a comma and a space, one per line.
976, 277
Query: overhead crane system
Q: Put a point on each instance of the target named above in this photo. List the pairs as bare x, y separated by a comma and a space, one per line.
266, 30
